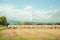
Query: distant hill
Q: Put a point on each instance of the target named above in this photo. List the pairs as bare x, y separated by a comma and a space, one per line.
13, 22
19, 22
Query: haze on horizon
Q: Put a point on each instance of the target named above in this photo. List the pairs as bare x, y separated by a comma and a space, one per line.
31, 10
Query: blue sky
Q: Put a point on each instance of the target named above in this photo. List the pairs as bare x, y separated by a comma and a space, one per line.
42, 4
31, 10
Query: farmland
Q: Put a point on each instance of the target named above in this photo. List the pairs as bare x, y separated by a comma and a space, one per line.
31, 32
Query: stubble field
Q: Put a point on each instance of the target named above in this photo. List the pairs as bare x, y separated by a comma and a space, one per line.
29, 34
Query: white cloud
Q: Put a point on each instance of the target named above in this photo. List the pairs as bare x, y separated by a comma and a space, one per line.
28, 8
28, 13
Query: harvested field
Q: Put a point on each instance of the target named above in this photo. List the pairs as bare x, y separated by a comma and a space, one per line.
30, 34
36, 26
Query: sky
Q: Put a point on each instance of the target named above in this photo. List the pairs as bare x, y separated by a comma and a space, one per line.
31, 10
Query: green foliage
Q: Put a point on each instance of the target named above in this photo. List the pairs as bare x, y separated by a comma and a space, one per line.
3, 20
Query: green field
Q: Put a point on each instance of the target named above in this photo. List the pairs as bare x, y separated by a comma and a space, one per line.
29, 34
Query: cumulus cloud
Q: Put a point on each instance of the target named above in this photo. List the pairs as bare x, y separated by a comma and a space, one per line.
28, 13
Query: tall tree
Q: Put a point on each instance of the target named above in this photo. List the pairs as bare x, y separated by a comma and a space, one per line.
3, 20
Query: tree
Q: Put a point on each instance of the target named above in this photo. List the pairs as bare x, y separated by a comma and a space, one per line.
25, 23
3, 20
7, 24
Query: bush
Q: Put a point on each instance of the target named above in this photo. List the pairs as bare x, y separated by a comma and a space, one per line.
25, 23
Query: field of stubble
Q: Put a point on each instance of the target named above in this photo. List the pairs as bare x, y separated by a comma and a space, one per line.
29, 34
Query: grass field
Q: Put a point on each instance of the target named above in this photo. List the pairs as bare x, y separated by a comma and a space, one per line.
29, 34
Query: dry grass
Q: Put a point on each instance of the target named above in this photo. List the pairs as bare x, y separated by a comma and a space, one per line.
36, 26
31, 34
